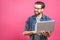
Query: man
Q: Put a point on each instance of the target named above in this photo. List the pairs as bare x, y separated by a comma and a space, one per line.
38, 16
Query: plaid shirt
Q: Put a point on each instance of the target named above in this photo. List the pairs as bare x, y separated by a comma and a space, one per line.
30, 25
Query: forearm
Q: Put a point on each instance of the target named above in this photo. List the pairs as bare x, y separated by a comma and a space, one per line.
28, 32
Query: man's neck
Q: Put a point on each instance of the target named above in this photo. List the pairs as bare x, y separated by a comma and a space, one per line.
39, 16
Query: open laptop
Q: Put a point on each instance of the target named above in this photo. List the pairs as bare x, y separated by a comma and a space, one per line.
44, 25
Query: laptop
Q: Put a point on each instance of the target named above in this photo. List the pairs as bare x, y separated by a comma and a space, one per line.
44, 25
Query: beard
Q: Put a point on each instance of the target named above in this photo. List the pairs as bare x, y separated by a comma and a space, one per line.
37, 13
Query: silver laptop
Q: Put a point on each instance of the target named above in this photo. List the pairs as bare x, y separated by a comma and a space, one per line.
44, 25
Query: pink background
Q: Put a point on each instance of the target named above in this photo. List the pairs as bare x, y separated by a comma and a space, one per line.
13, 14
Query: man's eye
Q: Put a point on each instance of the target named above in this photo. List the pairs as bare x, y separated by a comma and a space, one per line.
37, 8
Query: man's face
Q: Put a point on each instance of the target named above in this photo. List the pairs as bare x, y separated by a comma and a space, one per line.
37, 9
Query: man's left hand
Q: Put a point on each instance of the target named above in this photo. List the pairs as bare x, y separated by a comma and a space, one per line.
46, 34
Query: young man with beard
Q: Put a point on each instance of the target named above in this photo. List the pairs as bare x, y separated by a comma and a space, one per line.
31, 21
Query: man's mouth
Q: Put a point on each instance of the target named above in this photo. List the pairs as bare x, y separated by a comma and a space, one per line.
36, 12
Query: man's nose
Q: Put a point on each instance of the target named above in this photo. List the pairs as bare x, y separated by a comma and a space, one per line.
36, 9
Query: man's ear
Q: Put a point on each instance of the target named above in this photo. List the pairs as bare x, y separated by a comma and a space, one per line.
42, 9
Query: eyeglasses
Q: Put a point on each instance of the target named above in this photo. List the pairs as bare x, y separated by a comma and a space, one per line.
37, 8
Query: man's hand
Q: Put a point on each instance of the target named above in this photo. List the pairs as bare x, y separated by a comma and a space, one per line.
46, 34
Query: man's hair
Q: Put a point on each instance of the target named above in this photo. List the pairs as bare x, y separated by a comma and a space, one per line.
40, 3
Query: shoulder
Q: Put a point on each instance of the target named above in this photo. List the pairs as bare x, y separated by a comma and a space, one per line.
30, 17
46, 17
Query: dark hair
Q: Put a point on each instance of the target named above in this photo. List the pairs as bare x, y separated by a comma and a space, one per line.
40, 3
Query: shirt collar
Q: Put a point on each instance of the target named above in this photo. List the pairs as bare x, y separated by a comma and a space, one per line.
40, 18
